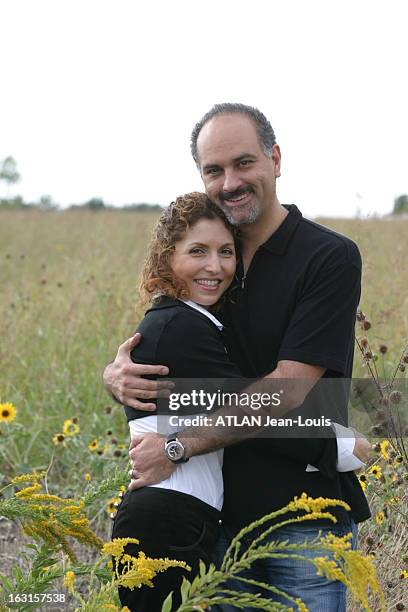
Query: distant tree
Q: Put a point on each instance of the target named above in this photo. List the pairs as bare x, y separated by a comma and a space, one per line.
8, 172
400, 205
95, 204
47, 203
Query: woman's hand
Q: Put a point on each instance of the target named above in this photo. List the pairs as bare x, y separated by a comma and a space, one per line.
150, 464
123, 378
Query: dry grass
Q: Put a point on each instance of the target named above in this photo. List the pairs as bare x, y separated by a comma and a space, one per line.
68, 285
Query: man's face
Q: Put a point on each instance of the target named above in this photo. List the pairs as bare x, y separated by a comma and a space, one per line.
237, 174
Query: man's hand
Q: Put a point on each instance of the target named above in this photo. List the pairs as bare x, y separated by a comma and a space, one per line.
150, 464
123, 378
362, 447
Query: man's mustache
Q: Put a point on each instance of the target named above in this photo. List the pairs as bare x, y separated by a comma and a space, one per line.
227, 195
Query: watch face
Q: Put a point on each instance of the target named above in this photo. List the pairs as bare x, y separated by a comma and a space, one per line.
174, 450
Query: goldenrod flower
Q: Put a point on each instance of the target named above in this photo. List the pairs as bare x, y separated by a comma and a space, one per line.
58, 439
404, 574
28, 492
379, 518
310, 504
69, 580
117, 546
375, 470
384, 449
7, 412
141, 570
33, 477
93, 446
70, 428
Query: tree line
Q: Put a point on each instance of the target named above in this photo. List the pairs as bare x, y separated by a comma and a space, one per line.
10, 175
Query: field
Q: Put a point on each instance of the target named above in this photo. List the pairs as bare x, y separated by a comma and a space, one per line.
68, 288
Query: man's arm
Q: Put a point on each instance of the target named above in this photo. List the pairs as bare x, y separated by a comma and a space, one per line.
150, 464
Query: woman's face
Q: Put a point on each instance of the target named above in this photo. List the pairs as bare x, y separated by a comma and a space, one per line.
205, 260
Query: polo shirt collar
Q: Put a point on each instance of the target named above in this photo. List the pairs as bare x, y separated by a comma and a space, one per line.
205, 312
278, 242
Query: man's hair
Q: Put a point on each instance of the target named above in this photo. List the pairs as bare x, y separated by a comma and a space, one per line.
264, 129
157, 276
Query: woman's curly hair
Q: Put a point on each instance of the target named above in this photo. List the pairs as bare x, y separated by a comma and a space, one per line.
157, 276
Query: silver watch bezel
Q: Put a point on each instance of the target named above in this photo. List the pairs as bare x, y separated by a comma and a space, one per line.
174, 445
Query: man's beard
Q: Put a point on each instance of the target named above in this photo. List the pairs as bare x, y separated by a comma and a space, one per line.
253, 209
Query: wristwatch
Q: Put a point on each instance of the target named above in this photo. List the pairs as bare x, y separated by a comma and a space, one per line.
175, 450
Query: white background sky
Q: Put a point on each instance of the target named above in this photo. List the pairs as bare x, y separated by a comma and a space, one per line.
98, 98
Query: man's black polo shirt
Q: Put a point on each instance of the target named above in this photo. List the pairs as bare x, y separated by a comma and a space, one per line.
297, 302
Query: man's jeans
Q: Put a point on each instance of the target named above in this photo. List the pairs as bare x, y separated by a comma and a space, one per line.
295, 577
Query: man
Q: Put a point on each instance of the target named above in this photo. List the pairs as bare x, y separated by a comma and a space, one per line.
292, 317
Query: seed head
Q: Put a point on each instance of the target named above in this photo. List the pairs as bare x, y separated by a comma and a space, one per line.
395, 397
405, 358
364, 342
401, 367
360, 315
366, 325
383, 348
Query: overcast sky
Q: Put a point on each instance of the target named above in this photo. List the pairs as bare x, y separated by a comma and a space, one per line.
98, 98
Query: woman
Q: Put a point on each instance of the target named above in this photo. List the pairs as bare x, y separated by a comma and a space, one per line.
190, 264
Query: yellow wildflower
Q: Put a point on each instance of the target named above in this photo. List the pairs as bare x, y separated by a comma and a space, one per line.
362, 479
28, 492
337, 543
375, 470
93, 446
88, 477
70, 428
404, 574
58, 439
116, 547
7, 412
69, 580
384, 449
141, 570
379, 518
310, 504
125, 609
33, 477
111, 505
301, 606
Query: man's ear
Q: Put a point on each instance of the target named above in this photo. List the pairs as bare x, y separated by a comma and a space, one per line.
276, 158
